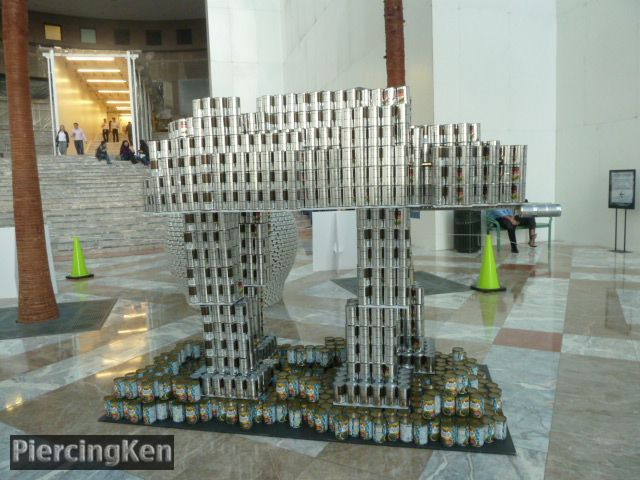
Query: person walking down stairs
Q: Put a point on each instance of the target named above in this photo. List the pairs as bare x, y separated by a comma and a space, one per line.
101, 152
105, 130
78, 138
62, 140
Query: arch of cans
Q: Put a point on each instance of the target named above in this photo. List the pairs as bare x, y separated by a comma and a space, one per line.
225, 171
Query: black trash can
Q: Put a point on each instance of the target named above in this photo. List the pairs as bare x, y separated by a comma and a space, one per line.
466, 230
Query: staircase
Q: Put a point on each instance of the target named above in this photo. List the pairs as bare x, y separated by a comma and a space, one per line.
102, 204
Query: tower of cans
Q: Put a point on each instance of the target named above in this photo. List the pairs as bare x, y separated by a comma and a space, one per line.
225, 171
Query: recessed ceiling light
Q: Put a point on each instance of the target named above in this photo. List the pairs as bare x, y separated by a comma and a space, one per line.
113, 91
105, 80
91, 59
123, 108
118, 101
99, 70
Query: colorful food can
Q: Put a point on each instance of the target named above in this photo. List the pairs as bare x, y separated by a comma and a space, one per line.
269, 413
473, 382
162, 410
461, 432
451, 383
325, 357
131, 386
476, 405
448, 404
231, 412
500, 432
420, 430
295, 415
406, 428
302, 383
193, 391
379, 434
146, 390
134, 410
354, 424
313, 389
258, 409
180, 390
245, 417
462, 405
366, 427
437, 396
496, 399
490, 429
434, 429
447, 438
462, 378
206, 410
191, 413
477, 433
281, 412
341, 427
321, 420
164, 388
393, 428
177, 412
293, 385
119, 387
457, 354
113, 407
282, 388
149, 415
428, 406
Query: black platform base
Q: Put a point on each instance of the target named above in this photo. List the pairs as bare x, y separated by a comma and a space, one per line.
488, 290
69, 277
73, 317
621, 251
282, 430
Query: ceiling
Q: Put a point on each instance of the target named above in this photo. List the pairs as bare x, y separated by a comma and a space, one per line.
123, 9
114, 94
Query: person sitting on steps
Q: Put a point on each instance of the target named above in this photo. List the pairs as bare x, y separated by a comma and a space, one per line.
101, 152
509, 221
125, 151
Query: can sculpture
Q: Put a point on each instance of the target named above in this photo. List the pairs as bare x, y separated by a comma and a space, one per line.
225, 171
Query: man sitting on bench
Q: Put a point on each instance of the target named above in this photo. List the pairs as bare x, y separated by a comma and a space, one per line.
507, 220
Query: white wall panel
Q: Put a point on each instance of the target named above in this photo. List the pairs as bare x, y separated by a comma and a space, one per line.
598, 85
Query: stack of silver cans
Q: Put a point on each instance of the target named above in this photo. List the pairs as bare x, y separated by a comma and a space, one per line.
227, 256
225, 171
384, 332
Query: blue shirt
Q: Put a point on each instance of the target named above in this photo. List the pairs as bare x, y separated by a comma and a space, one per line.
504, 212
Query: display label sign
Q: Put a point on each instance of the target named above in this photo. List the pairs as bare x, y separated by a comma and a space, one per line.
622, 189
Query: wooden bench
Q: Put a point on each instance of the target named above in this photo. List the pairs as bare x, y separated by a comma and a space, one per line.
493, 224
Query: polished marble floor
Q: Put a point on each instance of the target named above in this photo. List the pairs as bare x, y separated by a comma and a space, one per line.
563, 342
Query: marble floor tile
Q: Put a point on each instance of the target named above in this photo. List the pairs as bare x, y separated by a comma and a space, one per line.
616, 348
389, 462
594, 421
630, 303
541, 305
527, 464
513, 337
329, 289
457, 331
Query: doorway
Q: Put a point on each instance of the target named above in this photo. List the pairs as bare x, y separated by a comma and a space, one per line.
100, 91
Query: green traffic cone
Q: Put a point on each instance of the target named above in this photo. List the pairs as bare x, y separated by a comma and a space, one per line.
488, 281
79, 267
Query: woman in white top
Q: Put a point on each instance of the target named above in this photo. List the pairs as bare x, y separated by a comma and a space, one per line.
62, 140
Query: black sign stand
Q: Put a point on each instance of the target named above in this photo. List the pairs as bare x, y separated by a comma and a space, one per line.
622, 194
624, 242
